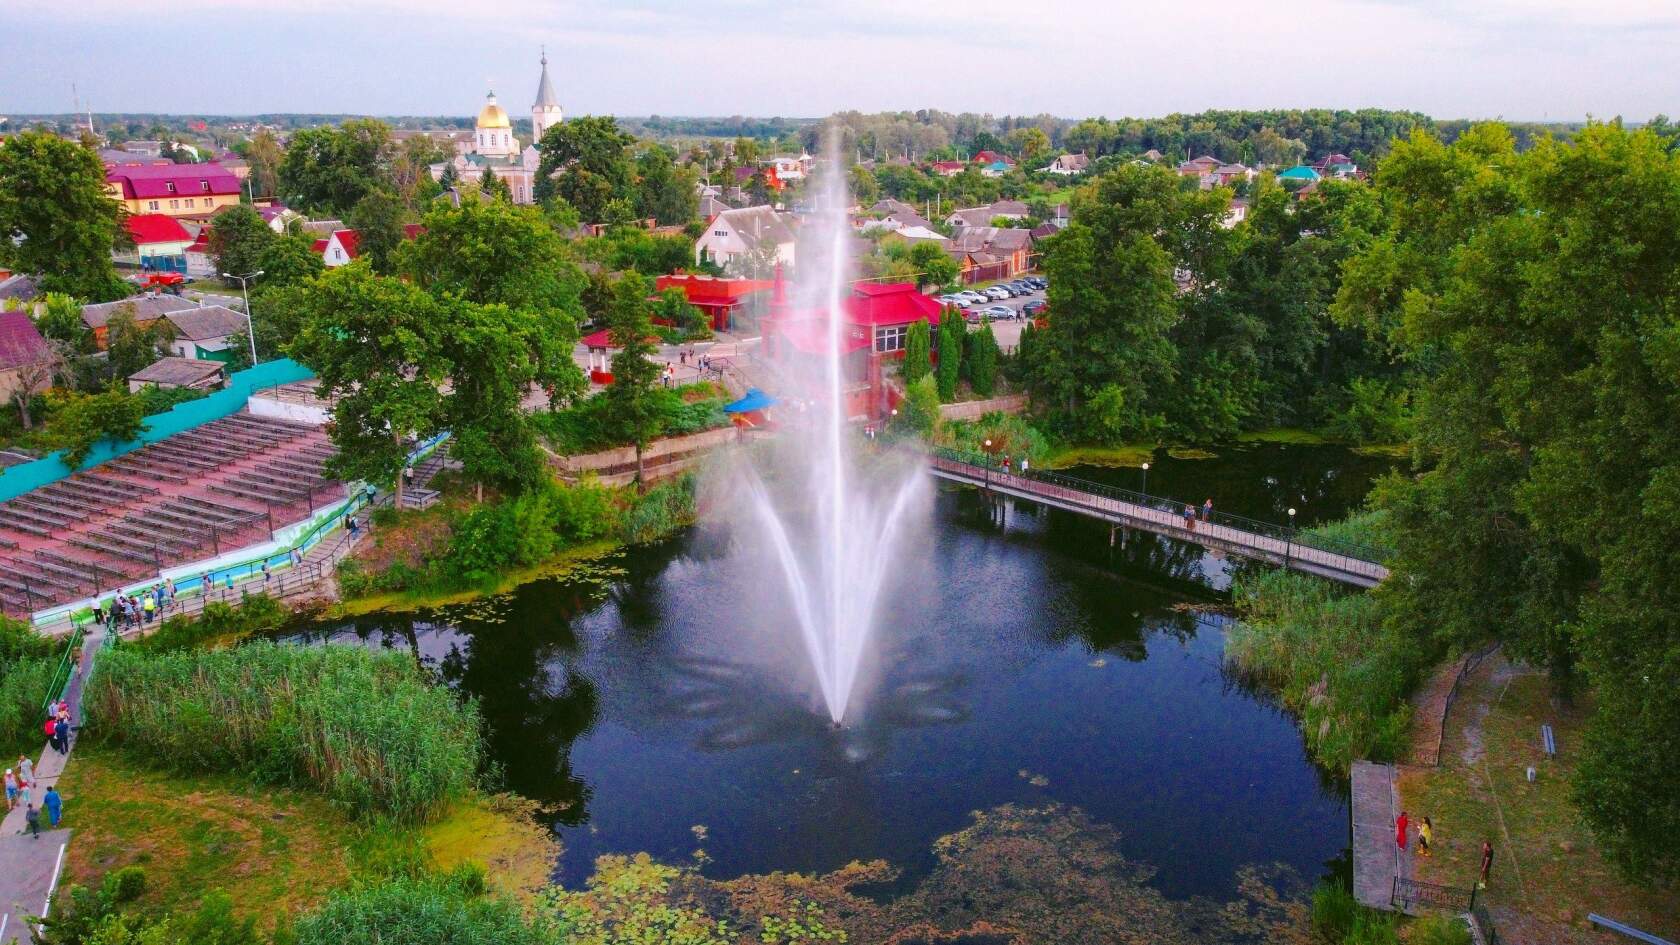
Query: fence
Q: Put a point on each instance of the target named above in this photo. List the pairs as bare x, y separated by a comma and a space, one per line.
1282, 533
1410, 894
61, 676
1481, 926
1431, 755
16, 480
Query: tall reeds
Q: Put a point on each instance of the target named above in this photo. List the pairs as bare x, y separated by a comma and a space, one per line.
368, 729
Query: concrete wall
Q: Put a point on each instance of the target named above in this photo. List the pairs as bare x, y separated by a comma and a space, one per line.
973, 409
311, 414
612, 466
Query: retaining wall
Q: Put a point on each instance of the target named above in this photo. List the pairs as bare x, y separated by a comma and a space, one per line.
974, 409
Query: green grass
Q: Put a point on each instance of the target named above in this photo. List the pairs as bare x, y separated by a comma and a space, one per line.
1134, 455
1190, 452
275, 851
1289, 435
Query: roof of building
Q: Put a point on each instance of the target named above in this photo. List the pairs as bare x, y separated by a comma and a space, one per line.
757, 224
1299, 172
948, 165
1044, 230
545, 88
890, 206
18, 287
492, 115
991, 239
145, 308
145, 181
148, 228
989, 156
177, 372
20, 343
914, 233
1075, 161
1005, 208
116, 156
711, 206
207, 323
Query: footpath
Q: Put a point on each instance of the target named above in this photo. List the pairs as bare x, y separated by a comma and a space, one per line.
30, 866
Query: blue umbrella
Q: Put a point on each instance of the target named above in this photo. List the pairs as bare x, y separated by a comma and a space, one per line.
754, 400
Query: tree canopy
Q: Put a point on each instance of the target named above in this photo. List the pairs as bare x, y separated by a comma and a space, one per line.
586, 162
329, 170
56, 220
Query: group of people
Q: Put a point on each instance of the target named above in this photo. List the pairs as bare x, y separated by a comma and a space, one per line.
1426, 843
1190, 516
134, 610
1009, 466
21, 783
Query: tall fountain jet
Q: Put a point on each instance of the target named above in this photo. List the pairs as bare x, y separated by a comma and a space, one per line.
833, 512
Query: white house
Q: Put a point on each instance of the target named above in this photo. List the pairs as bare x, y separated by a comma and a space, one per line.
733, 234
207, 333
1068, 164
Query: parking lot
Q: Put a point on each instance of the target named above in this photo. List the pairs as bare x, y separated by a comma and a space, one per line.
1008, 330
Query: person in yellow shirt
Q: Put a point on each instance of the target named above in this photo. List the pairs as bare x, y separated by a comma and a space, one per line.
1426, 836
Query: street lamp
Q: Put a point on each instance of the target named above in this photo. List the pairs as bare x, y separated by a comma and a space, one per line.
987, 462
1289, 543
250, 329
1145, 489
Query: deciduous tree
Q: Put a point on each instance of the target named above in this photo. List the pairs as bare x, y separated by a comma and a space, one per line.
56, 221
630, 397
585, 162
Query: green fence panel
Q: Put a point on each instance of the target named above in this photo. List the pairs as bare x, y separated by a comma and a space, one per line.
17, 480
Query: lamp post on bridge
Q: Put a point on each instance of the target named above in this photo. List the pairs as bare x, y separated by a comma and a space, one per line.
1145, 489
1289, 542
988, 463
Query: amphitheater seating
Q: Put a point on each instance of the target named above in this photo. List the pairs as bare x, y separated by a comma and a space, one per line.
223, 485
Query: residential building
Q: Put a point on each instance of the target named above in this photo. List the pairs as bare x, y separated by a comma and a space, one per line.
1236, 213
207, 332
1299, 174
983, 216
21, 348
172, 373
1152, 156
160, 242
176, 190
990, 252
144, 309
1199, 166
948, 168
729, 304
1069, 164
733, 235
993, 157
16, 289
340, 248
151, 149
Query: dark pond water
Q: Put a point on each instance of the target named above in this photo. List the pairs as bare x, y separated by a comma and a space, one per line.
1028, 663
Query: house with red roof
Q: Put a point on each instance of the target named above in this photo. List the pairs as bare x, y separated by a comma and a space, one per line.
160, 242
176, 190
342, 246
947, 168
22, 350
729, 304
988, 156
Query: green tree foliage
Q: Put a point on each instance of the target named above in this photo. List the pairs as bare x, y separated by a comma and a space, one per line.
87, 420
932, 265
630, 405
450, 910
918, 412
264, 155
672, 308
131, 345
586, 162
238, 239
329, 170
56, 220
629, 247
1536, 289
378, 219
493, 187
664, 191
61, 320
918, 352
980, 363
373, 342
952, 336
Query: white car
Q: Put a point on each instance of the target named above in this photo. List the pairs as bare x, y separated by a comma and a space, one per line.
998, 294
973, 298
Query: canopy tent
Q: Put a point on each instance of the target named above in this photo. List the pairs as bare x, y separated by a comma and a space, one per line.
755, 399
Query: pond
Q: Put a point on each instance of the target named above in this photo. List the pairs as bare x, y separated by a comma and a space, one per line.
1027, 664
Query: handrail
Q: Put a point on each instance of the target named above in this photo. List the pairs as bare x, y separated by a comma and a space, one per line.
1301, 537
61, 675
1410, 892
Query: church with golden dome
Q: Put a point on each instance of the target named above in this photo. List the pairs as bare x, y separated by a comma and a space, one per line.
496, 149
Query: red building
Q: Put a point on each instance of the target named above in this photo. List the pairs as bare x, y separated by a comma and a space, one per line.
876, 319
729, 304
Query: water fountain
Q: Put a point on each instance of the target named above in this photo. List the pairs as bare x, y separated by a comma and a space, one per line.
838, 523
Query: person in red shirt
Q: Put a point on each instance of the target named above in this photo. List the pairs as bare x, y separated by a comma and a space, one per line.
1400, 830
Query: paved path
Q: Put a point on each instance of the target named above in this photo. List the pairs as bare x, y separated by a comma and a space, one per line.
1376, 857
30, 866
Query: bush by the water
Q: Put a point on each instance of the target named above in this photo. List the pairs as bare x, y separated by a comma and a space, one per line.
368, 729
584, 428
422, 911
1332, 657
218, 621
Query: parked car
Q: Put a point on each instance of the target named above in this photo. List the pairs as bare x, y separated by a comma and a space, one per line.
1037, 282
1033, 307
972, 297
998, 311
998, 293
1021, 287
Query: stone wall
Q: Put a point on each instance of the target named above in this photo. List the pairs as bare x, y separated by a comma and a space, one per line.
662, 458
972, 409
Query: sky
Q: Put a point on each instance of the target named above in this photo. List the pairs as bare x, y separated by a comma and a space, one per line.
1557, 60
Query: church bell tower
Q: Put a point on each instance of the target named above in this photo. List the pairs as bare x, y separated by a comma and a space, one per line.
545, 112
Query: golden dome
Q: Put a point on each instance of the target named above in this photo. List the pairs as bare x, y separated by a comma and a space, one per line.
492, 116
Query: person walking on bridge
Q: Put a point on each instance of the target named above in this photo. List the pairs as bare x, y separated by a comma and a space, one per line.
1207, 509
1190, 517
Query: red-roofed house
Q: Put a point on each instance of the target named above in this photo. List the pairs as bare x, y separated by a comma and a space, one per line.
875, 321
989, 156
160, 242
177, 190
728, 303
948, 168
342, 246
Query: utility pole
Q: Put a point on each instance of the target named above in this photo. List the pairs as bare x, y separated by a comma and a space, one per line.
250, 329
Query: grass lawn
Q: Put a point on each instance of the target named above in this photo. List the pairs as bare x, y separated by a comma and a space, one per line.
275, 851
1547, 871
1132, 454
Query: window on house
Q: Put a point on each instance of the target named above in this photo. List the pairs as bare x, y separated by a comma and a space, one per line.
720, 232
170, 184
890, 338
203, 185
189, 203
174, 204
152, 205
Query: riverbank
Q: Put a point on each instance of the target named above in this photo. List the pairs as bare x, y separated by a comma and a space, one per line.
1134, 455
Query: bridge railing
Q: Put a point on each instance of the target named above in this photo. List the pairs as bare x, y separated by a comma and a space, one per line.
1303, 538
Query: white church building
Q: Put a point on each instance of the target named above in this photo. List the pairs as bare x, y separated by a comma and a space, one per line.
496, 149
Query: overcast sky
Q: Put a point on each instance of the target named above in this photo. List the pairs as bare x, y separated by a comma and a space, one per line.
1517, 59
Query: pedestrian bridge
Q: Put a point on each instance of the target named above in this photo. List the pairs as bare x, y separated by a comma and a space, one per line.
1349, 563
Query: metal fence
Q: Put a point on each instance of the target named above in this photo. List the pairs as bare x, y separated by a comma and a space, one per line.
61, 676
1284, 533
1410, 894
1481, 926
1431, 756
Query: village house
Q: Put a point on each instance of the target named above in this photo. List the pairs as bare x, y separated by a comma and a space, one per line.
1069, 164
144, 309
729, 304
983, 216
947, 168
160, 243
342, 247
733, 235
206, 333
176, 190
173, 373
22, 350
988, 252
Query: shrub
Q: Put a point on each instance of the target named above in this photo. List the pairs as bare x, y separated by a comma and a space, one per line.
660, 511
218, 621
366, 728
918, 412
421, 911
583, 427
1333, 910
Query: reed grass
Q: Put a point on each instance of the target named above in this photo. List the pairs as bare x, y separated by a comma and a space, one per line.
367, 729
